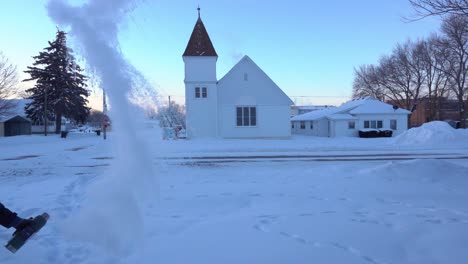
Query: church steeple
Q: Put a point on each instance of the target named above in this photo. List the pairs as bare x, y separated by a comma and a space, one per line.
200, 43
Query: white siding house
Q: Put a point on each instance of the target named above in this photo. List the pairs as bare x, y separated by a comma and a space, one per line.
245, 103
349, 118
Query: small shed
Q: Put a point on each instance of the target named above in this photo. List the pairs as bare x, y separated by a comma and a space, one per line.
14, 126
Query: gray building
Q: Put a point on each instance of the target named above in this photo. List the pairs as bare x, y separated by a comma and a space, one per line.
14, 126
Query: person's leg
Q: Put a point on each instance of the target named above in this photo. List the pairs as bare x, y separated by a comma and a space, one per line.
8, 218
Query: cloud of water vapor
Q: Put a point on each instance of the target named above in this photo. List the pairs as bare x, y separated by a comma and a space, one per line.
111, 216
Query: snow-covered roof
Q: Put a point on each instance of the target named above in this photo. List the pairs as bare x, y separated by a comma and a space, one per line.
377, 107
341, 117
311, 107
314, 115
275, 94
5, 118
9, 117
19, 107
368, 105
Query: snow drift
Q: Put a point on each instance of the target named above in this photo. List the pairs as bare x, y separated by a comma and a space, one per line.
432, 133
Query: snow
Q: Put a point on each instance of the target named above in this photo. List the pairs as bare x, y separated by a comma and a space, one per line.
312, 107
368, 105
433, 133
351, 200
341, 117
377, 107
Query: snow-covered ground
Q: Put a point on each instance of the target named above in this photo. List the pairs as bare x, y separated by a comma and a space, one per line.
304, 200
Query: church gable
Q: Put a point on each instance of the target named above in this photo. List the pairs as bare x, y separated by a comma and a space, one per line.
247, 84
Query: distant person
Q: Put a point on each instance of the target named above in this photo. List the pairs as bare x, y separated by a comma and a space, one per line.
10, 219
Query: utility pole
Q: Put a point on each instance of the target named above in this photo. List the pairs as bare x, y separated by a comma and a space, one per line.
104, 110
45, 112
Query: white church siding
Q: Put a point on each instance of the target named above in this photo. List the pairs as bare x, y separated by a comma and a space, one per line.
201, 113
246, 85
270, 123
200, 68
201, 117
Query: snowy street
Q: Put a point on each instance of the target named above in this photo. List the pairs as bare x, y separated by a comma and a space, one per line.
207, 210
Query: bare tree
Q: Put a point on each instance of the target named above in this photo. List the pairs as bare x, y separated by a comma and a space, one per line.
171, 115
8, 85
406, 77
454, 47
425, 8
366, 83
96, 118
402, 75
437, 83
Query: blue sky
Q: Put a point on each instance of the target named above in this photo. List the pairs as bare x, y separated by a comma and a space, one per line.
309, 48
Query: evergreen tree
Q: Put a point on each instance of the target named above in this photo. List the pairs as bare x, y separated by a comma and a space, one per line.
59, 82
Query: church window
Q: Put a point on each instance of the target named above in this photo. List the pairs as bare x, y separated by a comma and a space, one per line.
197, 92
246, 77
302, 124
246, 116
204, 92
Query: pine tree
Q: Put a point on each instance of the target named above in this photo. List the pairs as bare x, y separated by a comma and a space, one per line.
59, 82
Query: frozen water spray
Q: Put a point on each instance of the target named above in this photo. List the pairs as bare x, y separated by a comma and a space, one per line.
111, 216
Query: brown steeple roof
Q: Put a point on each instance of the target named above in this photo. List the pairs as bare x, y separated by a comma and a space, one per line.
200, 43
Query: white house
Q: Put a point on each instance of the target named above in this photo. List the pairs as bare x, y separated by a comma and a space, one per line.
349, 118
245, 103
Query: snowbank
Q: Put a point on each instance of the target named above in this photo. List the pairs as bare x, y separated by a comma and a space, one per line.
432, 133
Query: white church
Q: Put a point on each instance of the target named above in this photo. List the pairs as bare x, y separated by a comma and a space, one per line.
245, 103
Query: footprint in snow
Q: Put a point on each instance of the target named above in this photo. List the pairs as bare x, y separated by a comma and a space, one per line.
306, 214
261, 228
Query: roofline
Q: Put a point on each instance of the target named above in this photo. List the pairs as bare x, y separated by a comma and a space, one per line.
248, 58
399, 113
8, 118
312, 119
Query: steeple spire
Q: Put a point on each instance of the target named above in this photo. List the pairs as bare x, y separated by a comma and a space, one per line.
200, 43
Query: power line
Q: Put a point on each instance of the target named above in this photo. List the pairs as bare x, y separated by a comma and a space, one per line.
320, 96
